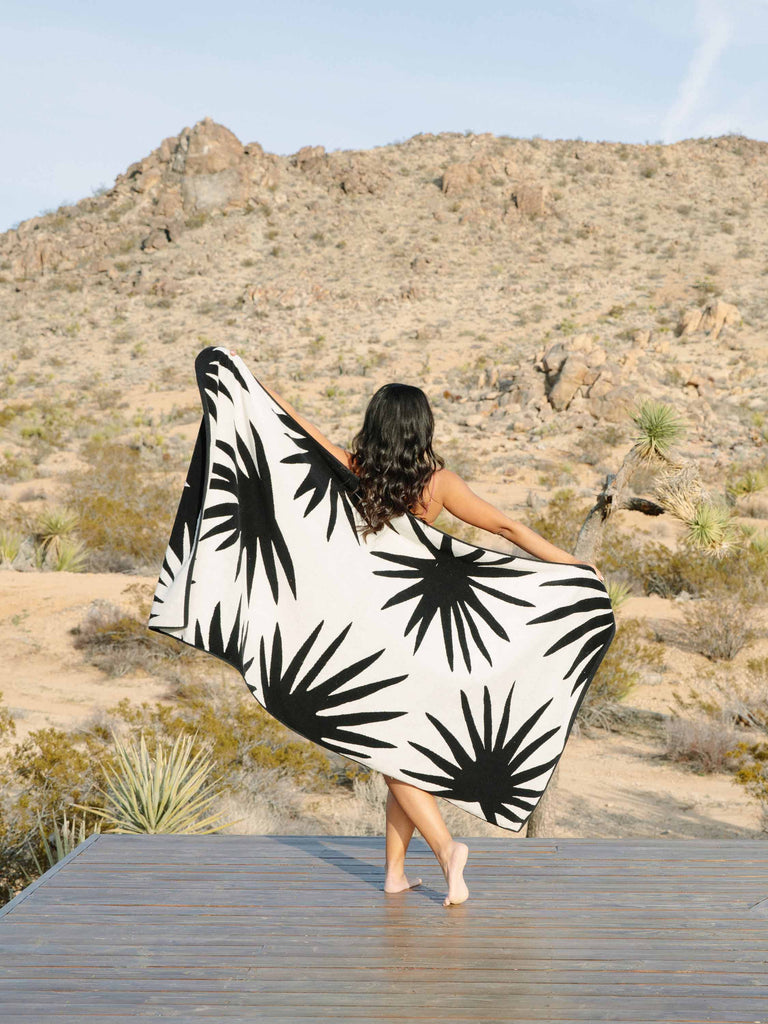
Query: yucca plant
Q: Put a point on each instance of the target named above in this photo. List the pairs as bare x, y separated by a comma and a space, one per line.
711, 524
712, 527
54, 527
62, 841
759, 542
10, 545
618, 593
70, 556
168, 791
659, 428
750, 483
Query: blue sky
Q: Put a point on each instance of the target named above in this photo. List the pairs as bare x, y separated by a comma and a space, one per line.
89, 87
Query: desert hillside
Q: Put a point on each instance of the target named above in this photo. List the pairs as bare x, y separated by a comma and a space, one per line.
536, 290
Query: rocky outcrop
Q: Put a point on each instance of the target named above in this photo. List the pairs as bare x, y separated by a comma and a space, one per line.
580, 368
710, 320
359, 174
460, 178
531, 200
202, 170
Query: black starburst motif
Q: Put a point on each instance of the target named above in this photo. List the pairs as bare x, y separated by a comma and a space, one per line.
321, 478
305, 707
493, 771
248, 518
230, 648
593, 634
185, 523
207, 370
447, 584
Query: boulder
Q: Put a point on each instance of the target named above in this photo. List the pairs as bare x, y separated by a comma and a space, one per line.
574, 374
362, 176
531, 199
615, 405
208, 148
156, 239
689, 322
716, 315
460, 178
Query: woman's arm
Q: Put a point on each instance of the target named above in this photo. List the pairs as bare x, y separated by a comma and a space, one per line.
340, 453
462, 502
335, 449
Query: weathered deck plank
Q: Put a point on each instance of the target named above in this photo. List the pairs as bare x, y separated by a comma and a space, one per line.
298, 928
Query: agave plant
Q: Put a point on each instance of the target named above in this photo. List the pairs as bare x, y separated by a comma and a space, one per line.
660, 427
169, 791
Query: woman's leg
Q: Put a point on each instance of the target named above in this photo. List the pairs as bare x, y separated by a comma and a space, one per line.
399, 831
422, 810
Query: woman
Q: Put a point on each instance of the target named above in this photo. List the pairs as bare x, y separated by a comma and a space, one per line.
398, 472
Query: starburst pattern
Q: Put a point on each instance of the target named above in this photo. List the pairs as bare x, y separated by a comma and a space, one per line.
248, 518
492, 771
449, 585
185, 523
321, 478
591, 635
230, 648
207, 368
306, 706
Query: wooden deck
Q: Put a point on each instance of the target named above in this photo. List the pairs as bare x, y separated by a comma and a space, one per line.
269, 928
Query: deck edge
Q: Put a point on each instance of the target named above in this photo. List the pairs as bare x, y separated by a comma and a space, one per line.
29, 889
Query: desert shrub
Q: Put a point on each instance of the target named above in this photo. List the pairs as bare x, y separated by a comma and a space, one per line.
41, 777
117, 642
653, 568
7, 724
741, 699
561, 519
621, 668
752, 774
241, 733
701, 742
718, 629
266, 801
125, 506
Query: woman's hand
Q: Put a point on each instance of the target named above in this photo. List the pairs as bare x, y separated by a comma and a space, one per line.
599, 574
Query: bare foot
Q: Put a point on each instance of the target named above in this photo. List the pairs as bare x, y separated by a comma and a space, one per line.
399, 883
454, 874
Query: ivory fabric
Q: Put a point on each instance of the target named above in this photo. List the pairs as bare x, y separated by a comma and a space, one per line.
451, 666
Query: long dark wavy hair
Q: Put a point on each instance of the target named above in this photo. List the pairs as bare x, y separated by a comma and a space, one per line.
392, 454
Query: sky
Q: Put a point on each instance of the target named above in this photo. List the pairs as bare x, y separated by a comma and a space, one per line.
88, 88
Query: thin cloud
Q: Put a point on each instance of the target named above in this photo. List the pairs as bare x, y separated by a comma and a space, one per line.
716, 34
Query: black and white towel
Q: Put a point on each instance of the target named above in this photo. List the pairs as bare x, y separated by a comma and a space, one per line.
451, 666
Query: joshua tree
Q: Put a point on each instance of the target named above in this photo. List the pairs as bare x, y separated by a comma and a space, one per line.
678, 492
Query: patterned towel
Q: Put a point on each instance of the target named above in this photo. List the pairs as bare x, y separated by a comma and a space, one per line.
451, 666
